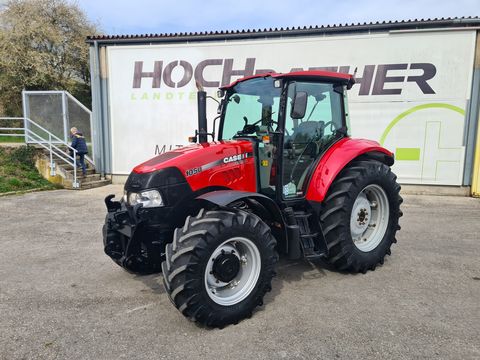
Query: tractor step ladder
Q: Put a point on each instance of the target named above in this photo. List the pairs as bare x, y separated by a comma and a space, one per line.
307, 237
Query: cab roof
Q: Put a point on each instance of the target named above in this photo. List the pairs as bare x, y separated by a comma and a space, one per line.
328, 76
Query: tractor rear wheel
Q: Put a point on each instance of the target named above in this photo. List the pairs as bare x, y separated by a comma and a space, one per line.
360, 216
219, 266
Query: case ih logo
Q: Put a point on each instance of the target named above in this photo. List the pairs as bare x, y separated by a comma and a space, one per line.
238, 157
371, 80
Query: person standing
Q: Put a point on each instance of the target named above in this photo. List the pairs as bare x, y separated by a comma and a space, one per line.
79, 144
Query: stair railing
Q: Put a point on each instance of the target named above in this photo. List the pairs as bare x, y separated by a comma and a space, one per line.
48, 141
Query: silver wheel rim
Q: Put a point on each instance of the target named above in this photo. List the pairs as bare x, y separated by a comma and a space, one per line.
242, 285
369, 218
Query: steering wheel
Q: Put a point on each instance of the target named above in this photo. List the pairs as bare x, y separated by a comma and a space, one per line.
251, 128
263, 118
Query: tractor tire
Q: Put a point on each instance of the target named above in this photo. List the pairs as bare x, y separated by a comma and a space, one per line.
359, 216
219, 266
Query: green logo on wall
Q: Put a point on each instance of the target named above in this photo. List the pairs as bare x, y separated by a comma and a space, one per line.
437, 143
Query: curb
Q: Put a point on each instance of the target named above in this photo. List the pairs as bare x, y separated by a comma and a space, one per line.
20, 192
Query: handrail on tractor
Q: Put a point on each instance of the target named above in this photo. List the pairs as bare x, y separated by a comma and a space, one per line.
50, 144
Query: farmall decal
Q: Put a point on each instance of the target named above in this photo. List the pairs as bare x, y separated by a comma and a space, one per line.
225, 160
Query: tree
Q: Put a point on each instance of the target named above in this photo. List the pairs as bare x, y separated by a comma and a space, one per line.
42, 47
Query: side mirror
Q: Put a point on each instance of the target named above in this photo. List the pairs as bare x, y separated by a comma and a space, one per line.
299, 105
220, 93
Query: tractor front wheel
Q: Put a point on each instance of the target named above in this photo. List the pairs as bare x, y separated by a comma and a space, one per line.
219, 266
360, 216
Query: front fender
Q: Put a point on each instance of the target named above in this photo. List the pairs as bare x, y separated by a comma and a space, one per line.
336, 158
259, 204
226, 197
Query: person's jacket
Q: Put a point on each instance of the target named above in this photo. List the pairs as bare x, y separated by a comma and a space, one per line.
79, 144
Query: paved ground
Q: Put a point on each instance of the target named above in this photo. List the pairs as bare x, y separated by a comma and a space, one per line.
61, 297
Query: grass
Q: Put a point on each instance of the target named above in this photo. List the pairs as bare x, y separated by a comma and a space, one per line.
12, 139
18, 171
7, 125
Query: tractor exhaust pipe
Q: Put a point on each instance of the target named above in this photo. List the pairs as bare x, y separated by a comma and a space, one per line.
202, 114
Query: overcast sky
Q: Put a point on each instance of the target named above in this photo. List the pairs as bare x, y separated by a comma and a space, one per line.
160, 16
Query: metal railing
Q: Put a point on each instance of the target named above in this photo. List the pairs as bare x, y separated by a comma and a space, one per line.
58, 111
46, 140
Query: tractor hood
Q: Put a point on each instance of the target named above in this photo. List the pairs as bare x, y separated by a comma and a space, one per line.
227, 164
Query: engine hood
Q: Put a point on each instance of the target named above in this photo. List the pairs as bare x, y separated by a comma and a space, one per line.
227, 164
195, 155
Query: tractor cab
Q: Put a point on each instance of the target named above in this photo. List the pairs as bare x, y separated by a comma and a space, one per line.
292, 119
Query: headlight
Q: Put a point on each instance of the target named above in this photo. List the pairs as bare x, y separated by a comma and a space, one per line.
149, 199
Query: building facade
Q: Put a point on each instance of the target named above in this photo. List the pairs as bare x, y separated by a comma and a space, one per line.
417, 89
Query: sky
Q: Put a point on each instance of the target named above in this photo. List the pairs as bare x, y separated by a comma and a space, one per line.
173, 16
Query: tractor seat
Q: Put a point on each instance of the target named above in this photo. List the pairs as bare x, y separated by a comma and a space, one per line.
306, 129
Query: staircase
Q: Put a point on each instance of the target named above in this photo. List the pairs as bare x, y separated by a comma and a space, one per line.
54, 160
63, 173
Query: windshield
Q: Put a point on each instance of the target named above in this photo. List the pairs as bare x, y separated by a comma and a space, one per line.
251, 108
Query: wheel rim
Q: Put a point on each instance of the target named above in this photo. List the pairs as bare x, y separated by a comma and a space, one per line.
235, 287
369, 218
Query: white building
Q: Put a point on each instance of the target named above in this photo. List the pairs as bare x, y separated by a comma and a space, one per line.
417, 88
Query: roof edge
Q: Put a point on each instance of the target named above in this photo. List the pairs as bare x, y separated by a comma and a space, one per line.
456, 22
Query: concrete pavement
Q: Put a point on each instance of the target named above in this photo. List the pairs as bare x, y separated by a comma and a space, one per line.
62, 298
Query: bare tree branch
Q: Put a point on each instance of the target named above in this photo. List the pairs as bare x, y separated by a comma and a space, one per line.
42, 47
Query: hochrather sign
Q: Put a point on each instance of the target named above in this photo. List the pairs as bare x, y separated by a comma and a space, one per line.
163, 75
411, 92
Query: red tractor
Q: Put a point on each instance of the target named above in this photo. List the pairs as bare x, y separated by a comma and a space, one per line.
283, 177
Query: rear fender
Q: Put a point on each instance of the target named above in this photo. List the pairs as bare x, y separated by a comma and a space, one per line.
337, 157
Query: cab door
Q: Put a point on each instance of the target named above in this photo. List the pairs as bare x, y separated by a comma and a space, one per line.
267, 144
314, 119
